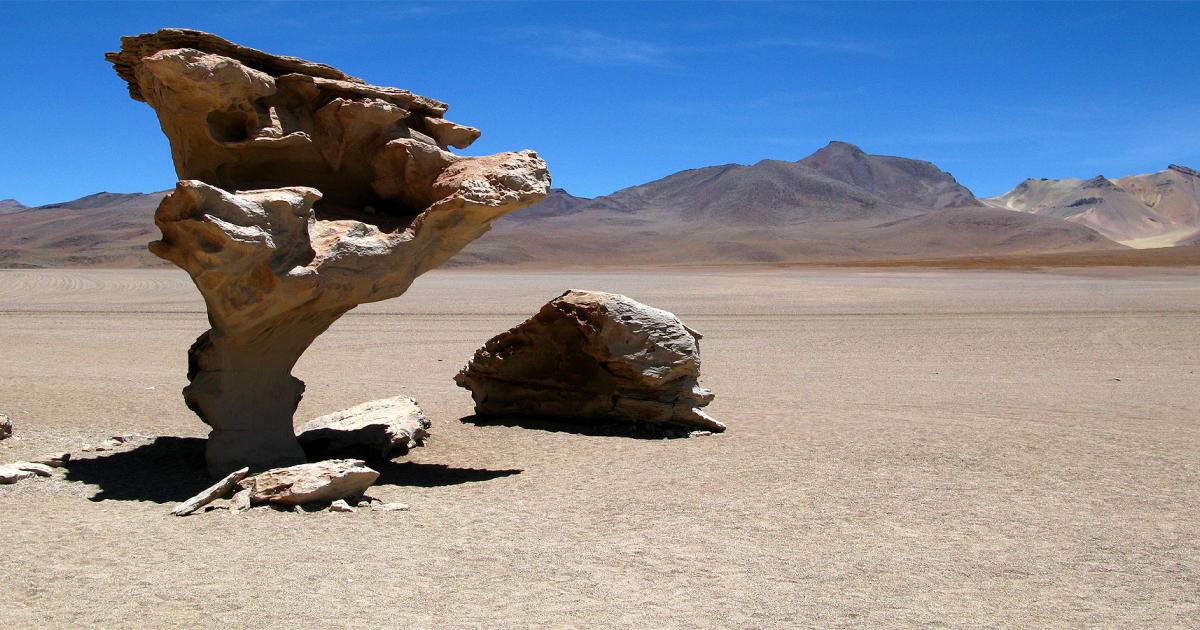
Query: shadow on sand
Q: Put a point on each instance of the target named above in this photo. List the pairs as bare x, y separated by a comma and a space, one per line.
171, 469
640, 431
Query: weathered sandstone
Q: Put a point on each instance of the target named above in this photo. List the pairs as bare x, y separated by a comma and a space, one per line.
310, 483
212, 493
593, 357
378, 429
304, 192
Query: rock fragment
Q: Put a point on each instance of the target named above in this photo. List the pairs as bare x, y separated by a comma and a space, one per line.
310, 483
379, 429
593, 357
389, 507
5, 427
340, 506
212, 493
18, 471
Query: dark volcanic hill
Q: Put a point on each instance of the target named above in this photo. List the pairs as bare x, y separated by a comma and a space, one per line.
839, 203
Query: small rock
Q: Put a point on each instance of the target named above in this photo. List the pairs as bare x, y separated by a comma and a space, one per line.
365, 501
389, 507
299, 509
240, 502
5, 426
11, 474
310, 483
340, 506
40, 470
699, 433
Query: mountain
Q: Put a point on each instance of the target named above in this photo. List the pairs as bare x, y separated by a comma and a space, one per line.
104, 229
11, 205
1153, 210
839, 203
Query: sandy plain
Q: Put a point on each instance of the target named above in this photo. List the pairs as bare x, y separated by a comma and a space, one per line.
934, 448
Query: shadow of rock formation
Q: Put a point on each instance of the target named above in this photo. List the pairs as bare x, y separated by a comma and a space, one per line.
582, 426
172, 469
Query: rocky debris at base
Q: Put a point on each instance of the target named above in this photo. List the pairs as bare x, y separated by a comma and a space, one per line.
212, 493
5, 427
19, 471
340, 506
593, 357
378, 429
310, 483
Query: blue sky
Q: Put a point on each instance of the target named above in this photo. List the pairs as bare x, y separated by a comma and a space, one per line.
615, 94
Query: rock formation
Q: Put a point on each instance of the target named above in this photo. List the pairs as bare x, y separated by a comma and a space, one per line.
379, 429
310, 483
593, 357
304, 192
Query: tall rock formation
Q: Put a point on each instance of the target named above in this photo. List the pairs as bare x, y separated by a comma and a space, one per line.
304, 192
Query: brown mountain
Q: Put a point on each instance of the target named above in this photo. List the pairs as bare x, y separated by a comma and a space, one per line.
839, 203
104, 229
1153, 210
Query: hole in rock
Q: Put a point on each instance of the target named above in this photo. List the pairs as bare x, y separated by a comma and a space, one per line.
230, 126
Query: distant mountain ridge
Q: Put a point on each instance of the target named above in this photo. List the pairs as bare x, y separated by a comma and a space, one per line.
840, 203
1153, 210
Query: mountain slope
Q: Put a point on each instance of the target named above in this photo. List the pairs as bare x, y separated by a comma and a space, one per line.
105, 229
1153, 210
839, 203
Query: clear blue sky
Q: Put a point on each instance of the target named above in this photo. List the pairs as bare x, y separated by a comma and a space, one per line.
619, 94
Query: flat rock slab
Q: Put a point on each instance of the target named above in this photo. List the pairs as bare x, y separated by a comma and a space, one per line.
593, 357
12, 473
379, 429
310, 483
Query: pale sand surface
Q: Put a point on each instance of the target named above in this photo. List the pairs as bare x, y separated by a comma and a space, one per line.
906, 448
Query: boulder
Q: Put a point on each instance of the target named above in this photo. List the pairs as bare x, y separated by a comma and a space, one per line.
593, 357
379, 429
5, 427
310, 483
303, 193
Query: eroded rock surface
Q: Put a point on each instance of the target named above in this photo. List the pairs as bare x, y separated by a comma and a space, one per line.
5, 427
593, 356
310, 483
304, 193
378, 429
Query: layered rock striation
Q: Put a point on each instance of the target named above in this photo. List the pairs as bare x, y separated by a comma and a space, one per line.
593, 357
304, 192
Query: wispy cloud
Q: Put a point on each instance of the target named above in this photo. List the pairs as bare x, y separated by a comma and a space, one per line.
597, 48
592, 47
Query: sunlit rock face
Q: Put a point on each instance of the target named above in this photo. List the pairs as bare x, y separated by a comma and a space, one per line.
304, 192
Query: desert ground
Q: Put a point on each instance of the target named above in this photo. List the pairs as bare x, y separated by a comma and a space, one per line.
906, 447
